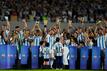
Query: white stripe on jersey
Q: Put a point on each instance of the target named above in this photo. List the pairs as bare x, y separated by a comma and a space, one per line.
98, 41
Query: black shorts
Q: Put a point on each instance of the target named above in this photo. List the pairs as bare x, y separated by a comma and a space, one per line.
46, 59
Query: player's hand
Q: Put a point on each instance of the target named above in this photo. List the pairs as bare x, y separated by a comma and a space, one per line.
6, 18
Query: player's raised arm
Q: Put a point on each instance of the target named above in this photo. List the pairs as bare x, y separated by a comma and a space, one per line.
8, 23
36, 25
25, 23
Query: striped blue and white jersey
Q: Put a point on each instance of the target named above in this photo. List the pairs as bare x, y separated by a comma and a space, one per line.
58, 48
101, 41
50, 40
17, 44
6, 34
37, 40
2, 41
41, 51
31, 38
26, 43
80, 37
46, 52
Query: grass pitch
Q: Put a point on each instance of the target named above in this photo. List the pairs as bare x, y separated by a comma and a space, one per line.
46, 70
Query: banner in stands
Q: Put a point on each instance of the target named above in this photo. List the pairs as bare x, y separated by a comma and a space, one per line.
7, 56
3, 55
24, 54
11, 55
83, 57
73, 57
34, 54
96, 57
105, 60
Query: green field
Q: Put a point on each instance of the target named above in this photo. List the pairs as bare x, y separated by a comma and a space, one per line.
48, 70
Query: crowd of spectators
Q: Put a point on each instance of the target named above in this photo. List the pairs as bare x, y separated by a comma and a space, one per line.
89, 10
